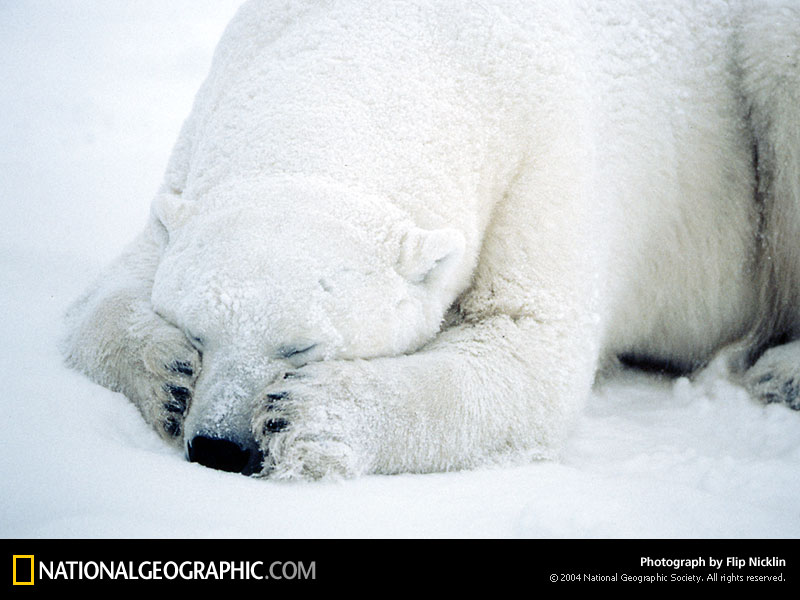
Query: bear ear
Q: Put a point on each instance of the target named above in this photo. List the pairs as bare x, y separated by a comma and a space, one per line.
170, 210
425, 256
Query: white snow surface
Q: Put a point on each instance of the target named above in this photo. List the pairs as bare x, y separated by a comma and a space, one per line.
93, 96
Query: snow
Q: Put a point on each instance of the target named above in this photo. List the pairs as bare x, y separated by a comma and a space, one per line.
94, 94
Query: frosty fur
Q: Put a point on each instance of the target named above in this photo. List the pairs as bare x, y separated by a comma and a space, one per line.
407, 237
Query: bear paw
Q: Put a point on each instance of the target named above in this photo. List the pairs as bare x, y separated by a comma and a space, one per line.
775, 378
163, 386
773, 388
309, 426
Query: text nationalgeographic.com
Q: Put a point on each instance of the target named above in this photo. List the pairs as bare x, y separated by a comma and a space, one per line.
171, 570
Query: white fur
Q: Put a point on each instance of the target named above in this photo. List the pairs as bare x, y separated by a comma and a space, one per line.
459, 212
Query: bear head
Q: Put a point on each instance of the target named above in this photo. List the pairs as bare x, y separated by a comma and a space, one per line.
266, 278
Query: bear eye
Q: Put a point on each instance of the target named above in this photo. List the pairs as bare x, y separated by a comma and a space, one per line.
290, 351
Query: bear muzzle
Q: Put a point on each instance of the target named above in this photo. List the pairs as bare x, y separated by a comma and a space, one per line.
218, 431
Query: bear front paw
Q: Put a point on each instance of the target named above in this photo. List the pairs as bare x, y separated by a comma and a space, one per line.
774, 387
775, 378
308, 427
163, 388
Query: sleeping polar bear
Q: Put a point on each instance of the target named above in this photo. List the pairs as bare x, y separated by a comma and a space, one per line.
407, 236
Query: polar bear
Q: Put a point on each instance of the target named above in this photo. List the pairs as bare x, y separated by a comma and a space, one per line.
407, 236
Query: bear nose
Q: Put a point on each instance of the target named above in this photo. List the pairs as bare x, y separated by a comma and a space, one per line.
225, 455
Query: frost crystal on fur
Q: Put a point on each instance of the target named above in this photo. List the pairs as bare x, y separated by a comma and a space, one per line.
405, 236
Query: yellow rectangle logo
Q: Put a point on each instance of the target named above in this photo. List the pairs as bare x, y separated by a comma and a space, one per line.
23, 571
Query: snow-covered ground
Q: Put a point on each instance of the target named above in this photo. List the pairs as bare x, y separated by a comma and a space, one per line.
93, 94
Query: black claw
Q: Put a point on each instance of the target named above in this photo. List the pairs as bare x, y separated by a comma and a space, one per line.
175, 406
270, 400
172, 426
275, 425
791, 391
181, 394
182, 367
292, 375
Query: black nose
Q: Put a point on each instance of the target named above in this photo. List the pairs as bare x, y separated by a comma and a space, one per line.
225, 455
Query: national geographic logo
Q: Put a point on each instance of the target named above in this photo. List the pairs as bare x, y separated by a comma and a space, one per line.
157, 570
23, 569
